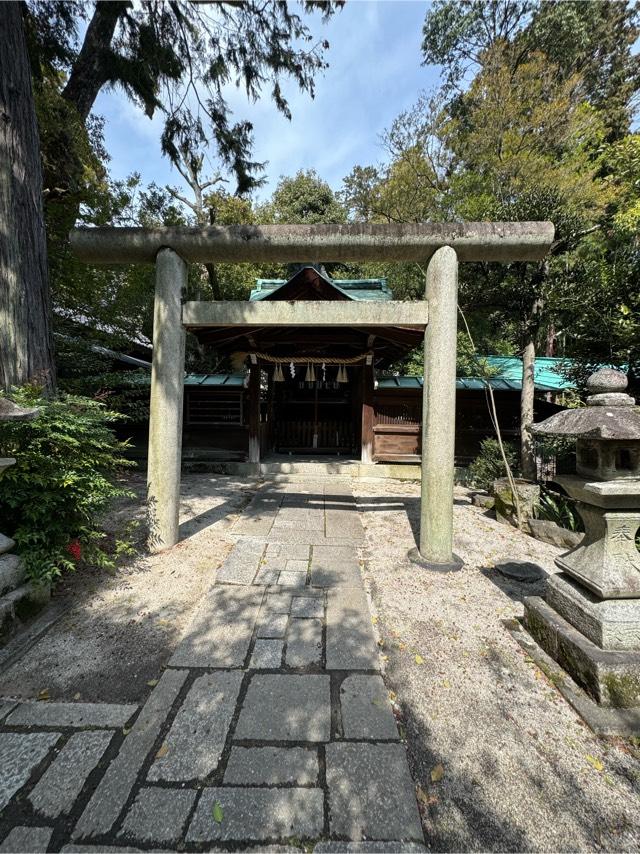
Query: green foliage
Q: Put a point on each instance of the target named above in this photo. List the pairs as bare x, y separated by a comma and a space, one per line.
558, 508
304, 198
66, 475
489, 465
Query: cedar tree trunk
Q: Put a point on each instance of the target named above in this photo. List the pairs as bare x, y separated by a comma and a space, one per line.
26, 350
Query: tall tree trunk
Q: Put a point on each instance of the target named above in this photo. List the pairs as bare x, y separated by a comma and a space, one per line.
26, 349
91, 70
527, 450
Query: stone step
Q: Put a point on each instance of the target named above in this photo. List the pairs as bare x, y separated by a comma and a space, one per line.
12, 572
6, 544
19, 605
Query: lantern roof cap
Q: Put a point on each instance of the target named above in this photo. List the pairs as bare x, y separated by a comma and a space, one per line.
610, 414
10, 411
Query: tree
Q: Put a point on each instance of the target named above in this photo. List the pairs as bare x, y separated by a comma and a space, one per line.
304, 198
26, 352
175, 57
593, 39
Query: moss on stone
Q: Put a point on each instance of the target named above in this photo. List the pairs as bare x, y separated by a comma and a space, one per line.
623, 690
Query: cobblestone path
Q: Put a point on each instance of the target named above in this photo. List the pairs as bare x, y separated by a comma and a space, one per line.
271, 724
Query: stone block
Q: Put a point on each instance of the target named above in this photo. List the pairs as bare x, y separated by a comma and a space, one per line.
369, 848
273, 626
304, 643
12, 572
366, 711
307, 607
335, 566
27, 840
297, 566
159, 815
611, 677
114, 788
283, 707
271, 766
292, 579
194, 744
505, 507
549, 532
609, 623
5, 707
255, 814
350, 641
344, 523
371, 793
220, 633
80, 715
267, 654
57, 790
277, 603
6, 544
98, 849
20, 754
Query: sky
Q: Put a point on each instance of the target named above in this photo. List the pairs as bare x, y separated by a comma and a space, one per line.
374, 73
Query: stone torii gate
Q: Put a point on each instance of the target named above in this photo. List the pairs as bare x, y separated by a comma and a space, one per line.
442, 245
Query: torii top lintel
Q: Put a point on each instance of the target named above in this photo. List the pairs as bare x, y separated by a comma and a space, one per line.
472, 241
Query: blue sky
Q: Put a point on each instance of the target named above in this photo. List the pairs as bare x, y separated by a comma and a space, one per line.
374, 73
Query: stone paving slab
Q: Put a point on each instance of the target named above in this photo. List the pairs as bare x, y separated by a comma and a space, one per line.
27, 840
59, 787
283, 707
5, 707
304, 643
98, 849
292, 579
335, 566
351, 643
194, 744
94, 715
272, 626
307, 607
221, 630
159, 815
241, 565
271, 766
255, 814
267, 654
365, 709
20, 754
112, 792
371, 794
368, 848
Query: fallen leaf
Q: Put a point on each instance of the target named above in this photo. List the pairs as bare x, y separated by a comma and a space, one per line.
44, 694
419, 659
446, 684
392, 695
596, 763
152, 683
164, 749
164, 622
126, 730
437, 773
425, 799
218, 813
76, 696
374, 620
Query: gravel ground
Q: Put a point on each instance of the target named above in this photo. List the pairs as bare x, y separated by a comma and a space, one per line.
502, 761
122, 629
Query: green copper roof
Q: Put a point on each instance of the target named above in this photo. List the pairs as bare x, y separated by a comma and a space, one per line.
355, 289
508, 378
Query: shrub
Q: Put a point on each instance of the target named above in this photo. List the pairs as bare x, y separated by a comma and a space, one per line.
67, 464
559, 508
489, 465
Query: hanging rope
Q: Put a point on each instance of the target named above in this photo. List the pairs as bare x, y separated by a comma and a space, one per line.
307, 360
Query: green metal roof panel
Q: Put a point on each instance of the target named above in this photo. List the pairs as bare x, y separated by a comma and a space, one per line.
229, 380
509, 378
355, 289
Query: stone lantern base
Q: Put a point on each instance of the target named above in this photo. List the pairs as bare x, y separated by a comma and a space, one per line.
597, 641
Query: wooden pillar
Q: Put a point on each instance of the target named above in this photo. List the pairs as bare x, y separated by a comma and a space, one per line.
439, 415
254, 413
167, 393
367, 411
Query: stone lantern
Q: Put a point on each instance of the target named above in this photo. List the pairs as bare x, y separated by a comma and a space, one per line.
15, 595
590, 621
